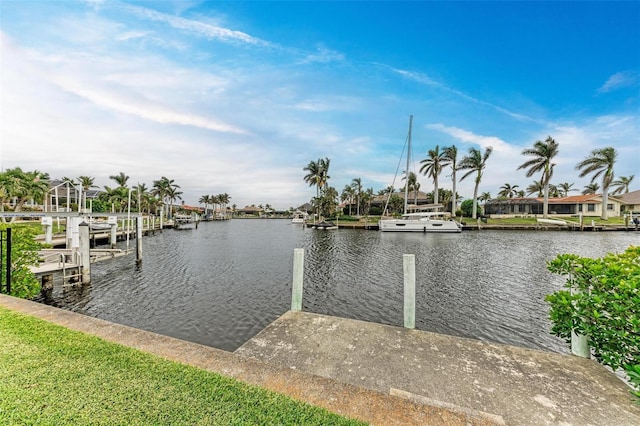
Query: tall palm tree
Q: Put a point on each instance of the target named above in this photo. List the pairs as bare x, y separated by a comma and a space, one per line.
224, 201
173, 194
164, 188
591, 188
564, 188
87, 182
508, 191
432, 167
600, 163
450, 154
138, 194
542, 153
621, 184
205, 199
347, 196
318, 175
356, 184
476, 162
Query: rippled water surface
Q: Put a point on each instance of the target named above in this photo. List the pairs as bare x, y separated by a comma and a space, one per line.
222, 283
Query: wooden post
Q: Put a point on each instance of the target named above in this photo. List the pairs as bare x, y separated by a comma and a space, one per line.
85, 253
138, 240
409, 270
298, 275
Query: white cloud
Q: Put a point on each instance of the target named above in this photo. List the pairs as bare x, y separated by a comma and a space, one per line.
620, 80
322, 55
202, 29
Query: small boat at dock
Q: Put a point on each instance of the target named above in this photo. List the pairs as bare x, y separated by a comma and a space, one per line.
325, 225
183, 221
299, 217
558, 222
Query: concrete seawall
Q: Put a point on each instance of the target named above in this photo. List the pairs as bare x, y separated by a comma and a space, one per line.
391, 376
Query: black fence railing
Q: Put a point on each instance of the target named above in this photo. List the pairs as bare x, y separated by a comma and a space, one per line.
5, 264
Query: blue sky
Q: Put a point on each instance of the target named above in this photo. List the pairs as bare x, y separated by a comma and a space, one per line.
238, 97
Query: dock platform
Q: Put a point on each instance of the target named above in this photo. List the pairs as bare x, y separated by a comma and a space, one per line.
504, 384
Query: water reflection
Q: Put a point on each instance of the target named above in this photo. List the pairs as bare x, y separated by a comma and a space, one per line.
222, 283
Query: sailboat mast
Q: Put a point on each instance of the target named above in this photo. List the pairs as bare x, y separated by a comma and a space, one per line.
406, 186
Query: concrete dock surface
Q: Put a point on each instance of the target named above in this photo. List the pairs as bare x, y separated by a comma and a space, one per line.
390, 376
508, 384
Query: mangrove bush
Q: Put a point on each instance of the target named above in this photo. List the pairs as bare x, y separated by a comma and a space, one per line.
601, 301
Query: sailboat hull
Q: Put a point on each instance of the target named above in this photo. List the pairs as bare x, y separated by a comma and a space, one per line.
419, 225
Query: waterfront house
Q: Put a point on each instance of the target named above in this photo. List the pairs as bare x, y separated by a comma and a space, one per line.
574, 205
630, 202
250, 211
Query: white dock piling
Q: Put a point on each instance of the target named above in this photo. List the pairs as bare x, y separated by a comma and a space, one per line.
409, 271
579, 343
47, 222
138, 240
298, 275
85, 253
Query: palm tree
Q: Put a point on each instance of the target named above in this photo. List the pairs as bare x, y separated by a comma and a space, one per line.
164, 188
347, 196
356, 184
24, 186
138, 194
206, 200
214, 200
432, 167
484, 197
592, 188
366, 198
318, 175
224, 199
536, 188
475, 161
508, 191
621, 184
564, 188
413, 185
542, 153
173, 194
121, 179
600, 162
87, 182
450, 154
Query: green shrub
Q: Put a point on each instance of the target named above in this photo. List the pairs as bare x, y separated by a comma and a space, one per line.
602, 302
24, 253
466, 207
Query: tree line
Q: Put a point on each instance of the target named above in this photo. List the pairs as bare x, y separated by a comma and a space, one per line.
598, 164
34, 186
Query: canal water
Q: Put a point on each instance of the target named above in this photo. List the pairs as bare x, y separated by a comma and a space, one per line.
222, 283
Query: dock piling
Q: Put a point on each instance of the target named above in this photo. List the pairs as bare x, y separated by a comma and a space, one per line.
85, 253
298, 275
409, 270
138, 240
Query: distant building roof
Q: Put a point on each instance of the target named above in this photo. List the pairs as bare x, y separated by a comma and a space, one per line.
630, 198
191, 208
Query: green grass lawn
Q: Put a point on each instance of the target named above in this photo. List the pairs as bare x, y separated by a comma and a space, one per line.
50, 375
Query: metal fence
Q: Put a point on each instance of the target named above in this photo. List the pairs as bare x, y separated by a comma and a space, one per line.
5, 264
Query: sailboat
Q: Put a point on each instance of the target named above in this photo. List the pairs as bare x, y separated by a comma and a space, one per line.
424, 221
